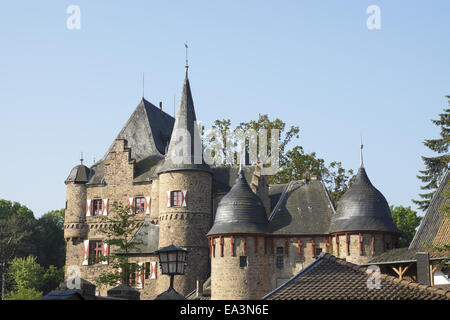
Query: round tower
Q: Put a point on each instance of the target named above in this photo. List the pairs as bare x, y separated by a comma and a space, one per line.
185, 197
75, 214
239, 254
362, 226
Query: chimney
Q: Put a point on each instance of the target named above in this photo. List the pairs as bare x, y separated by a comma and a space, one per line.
160, 105
423, 268
199, 288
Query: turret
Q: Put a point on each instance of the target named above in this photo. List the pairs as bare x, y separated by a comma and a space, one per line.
240, 257
185, 205
74, 226
362, 226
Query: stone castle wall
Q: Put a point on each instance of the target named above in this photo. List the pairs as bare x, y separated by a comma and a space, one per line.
186, 226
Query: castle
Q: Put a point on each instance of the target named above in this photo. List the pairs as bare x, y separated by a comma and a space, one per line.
243, 236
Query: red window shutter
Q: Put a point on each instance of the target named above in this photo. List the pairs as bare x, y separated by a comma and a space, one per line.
299, 246
105, 207
139, 277
88, 207
221, 245
168, 199
105, 252
360, 243
130, 205
153, 270
147, 205
85, 253
184, 198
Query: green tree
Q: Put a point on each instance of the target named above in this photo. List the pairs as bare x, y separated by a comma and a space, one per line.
51, 244
120, 227
301, 165
406, 221
436, 166
24, 294
224, 126
16, 236
26, 273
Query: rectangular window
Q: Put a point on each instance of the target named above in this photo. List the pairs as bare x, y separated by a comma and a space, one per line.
97, 207
317, 252
147, 270
95, 251
242, 261
139, 205
176, 198
280, 258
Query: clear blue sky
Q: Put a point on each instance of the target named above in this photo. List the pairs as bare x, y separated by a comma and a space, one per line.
310, 63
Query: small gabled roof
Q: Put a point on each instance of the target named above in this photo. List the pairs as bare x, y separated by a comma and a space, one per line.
434, 229
305, 209
330, 278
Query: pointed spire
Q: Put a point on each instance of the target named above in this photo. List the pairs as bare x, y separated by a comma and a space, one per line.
81, 158
185, 148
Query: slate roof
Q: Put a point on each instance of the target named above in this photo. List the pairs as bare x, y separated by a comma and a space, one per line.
434, 227
149, 234
330, 278
240, 211
362, 207
79, 174
306, 208
224, 177
147, 133
400, 255
185, 137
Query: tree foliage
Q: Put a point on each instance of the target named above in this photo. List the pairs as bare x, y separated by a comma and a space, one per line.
436, 166
120, 227
22, 235
406, 221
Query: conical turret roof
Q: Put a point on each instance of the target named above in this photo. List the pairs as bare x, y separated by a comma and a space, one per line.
240, 211
362, 208
185, 149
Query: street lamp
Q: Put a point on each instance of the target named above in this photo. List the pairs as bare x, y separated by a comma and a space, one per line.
172, 260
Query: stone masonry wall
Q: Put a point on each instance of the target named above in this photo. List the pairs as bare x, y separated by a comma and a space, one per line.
230, 281
186, 226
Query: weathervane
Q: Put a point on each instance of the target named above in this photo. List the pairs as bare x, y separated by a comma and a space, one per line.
361, 153
187, 64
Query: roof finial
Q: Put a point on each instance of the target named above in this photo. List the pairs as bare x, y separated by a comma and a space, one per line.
81, 159
143, 82
361, 153
187, 64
